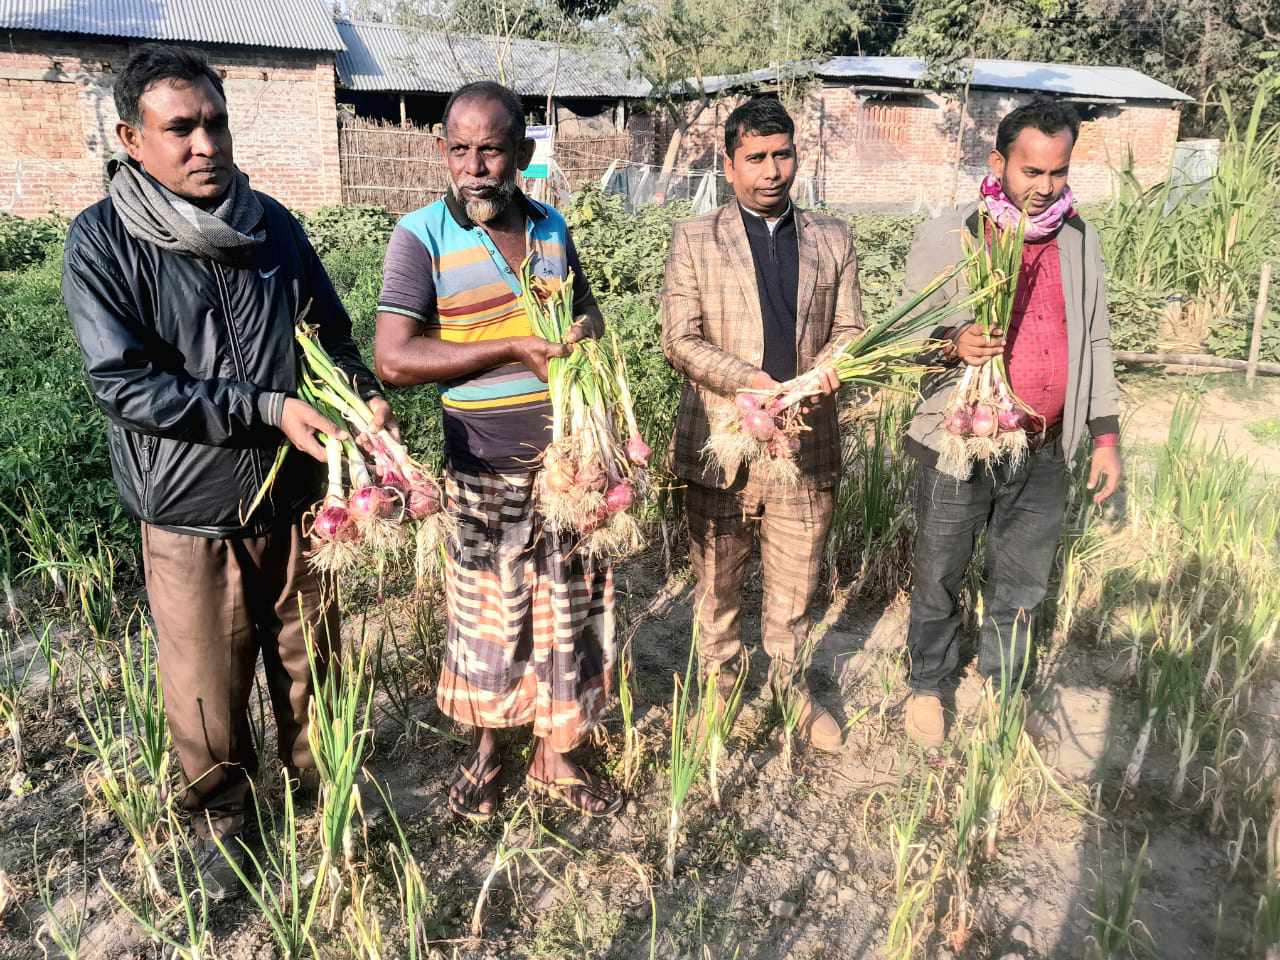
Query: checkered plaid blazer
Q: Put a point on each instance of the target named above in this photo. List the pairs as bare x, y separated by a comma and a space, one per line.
713, 330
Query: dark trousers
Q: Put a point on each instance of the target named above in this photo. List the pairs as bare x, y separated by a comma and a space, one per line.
1022, 511
218, 605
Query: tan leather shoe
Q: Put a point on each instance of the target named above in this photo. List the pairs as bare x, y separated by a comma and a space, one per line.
924, 720
818, 728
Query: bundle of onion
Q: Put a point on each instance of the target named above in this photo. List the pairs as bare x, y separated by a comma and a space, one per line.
373, 517
765, 426
984, 419
596, 466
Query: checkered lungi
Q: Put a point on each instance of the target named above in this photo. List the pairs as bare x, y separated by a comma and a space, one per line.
531, 631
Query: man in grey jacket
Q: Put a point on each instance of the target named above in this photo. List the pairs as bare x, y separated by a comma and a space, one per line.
1058, 354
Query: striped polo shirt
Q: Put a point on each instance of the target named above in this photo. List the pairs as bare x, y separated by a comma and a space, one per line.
446, 273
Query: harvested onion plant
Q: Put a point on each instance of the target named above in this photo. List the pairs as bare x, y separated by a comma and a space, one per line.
365, 512
984, 420
765, 426
595, 469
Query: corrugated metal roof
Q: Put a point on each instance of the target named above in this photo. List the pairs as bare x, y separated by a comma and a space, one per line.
383, 57
1069, 79
288, 24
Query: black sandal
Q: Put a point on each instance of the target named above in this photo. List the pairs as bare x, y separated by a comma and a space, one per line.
479, 783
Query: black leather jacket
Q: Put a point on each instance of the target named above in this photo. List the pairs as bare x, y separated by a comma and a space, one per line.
189, 358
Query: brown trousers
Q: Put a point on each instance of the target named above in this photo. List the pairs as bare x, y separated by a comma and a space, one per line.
217, 604
791, 523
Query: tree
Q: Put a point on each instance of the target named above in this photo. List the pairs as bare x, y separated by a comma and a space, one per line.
694, 51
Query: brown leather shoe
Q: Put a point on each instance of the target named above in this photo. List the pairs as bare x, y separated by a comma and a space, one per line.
924, 721
818, 728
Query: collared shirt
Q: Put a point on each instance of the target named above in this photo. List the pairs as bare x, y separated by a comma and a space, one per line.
445, 272
775, 249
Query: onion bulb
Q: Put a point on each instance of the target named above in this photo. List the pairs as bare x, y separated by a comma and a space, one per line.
424, 500
334, 523
760, 425
1012, 419
747, 402
619, 497
591, 476
960, 422
638, 451
372, 502
983, 421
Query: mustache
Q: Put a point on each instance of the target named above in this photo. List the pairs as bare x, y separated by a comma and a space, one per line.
504, 185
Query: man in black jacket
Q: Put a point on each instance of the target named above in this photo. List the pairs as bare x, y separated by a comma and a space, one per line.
184, 286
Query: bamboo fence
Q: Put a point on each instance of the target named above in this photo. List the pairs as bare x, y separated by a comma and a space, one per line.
399, 168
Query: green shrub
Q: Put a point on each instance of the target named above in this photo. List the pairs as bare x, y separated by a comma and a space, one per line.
26, 242
356, 273
53, 441
623, 251
883, 243
347, 225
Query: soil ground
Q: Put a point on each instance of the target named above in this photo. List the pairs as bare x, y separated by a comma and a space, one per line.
795, 866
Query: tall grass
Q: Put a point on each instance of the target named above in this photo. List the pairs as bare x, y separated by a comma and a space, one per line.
1206, 248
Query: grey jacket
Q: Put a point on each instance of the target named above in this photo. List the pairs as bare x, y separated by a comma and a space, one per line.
1093, 397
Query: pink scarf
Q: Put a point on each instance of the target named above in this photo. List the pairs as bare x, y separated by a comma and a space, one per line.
1006, 214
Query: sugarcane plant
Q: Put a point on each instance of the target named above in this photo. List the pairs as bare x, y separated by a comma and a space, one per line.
765, 426
595, 469
984, 419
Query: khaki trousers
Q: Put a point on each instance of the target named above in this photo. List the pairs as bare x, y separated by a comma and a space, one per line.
791, 523
217, 605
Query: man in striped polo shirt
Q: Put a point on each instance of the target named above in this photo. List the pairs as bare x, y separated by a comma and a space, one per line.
531, 634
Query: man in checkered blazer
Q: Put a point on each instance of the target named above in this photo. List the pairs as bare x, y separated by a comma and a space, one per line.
756, 293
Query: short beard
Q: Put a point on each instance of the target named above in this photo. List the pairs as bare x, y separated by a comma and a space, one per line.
486, 211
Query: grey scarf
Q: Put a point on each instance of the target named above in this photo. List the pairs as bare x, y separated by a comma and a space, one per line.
156, 215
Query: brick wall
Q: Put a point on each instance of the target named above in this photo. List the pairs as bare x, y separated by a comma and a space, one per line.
59, 117
898, 152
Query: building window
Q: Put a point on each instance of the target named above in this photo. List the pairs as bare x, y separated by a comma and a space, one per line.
881, 122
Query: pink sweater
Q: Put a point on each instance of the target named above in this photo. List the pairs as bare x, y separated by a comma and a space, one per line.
1035, 350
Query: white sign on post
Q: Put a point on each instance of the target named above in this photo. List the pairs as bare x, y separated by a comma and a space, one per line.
542, 136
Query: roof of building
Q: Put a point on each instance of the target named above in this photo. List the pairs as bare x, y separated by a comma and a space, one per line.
1067, 79
383, 57
287, 24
